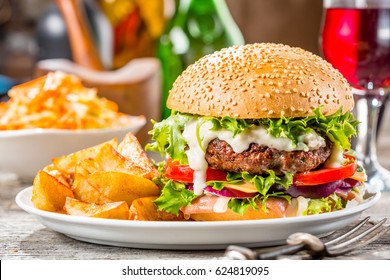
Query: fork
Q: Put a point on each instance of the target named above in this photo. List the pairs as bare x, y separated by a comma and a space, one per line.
300, 241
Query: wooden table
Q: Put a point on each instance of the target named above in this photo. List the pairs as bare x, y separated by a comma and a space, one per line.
22, 236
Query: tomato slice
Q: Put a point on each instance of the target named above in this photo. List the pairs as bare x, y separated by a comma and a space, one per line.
326, 175
183, 173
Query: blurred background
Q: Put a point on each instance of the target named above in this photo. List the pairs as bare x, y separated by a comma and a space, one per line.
24, 22
111, 44
133, 50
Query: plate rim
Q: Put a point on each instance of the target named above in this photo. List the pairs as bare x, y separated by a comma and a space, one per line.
137, 121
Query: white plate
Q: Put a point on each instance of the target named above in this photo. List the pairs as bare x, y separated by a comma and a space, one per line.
26, 151
191, 235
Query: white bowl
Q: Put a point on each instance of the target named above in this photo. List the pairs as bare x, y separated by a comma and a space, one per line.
26, 151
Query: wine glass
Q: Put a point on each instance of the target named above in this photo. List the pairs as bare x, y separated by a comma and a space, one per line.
355, 39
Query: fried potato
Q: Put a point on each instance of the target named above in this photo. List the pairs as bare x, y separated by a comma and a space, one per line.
67, 164
144, 209
88, 187
102, 181
109, 159
82, 189
49, 193
132, 150
120, 186
112, 210
62, 177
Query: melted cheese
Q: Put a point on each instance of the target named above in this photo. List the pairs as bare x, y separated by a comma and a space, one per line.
198, 136
244, 187
359, 176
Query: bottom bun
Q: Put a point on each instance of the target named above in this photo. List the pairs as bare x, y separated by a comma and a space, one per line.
275, 208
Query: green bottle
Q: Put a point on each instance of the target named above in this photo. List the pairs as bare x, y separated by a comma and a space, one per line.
198, 27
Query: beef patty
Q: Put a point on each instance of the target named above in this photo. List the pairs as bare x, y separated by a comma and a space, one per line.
258, 159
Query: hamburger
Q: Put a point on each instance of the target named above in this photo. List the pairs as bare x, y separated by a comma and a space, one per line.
258, 131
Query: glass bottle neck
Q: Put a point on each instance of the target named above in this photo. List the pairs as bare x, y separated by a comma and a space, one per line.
203, 15
198, 6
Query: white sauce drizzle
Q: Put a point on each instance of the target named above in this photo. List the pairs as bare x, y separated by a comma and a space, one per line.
297, 207
239, 143
221, 205
336, 158
303, 203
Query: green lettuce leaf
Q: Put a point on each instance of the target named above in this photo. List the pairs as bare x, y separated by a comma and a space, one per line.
173, 196
263, 183
168, 138
240, 206
323, 205
339, 128
234, 125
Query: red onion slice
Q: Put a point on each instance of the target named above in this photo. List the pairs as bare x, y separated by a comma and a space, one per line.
323, 190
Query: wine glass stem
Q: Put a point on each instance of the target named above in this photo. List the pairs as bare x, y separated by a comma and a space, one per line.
366, 145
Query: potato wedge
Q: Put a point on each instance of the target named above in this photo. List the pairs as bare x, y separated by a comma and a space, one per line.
113, 210
144, 209
121, 186
109, 159
82, 189
49, 193
67, 164
53, 171
132, 150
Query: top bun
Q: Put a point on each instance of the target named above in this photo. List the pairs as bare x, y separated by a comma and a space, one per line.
260, 81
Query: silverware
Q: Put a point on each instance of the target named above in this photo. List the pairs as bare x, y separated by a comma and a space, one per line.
300, 241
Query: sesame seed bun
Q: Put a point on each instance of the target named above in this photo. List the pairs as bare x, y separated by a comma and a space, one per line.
260, 81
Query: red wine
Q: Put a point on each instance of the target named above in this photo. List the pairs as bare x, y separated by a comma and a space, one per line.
357, 43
